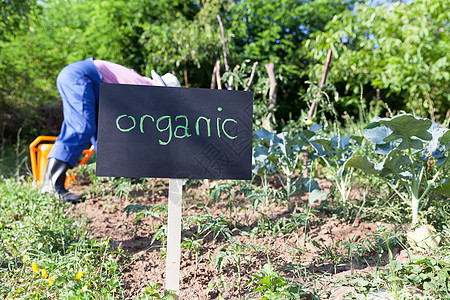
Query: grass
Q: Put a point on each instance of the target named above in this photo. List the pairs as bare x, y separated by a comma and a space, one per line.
45, 254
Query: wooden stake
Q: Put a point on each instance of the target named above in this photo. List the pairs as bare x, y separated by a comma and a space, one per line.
213, 77
252, 74
224, 48
272, 97
273, 85
174, 236
312, 109
186, 82
218, 78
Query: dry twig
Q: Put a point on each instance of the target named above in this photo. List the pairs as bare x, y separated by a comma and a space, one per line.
252, 74
273, 86
312, 109
225, 61
218, 78
213, 77
272, 96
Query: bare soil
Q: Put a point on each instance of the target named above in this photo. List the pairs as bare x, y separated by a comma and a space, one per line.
314, 256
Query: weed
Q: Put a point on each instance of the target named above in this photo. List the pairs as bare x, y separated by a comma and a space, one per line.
151, 291
233, 192
236, 255
270, 285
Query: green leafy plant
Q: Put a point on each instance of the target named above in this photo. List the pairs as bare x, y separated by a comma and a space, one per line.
233, 192
429, 274
204, 225
151, 291
280, 154
236, 255
158, 212
270, 285
415, 161
334, 152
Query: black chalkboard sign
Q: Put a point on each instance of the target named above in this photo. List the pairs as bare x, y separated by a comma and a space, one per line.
168, 132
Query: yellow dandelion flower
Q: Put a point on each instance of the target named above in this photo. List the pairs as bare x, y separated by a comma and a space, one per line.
35, 267
44, 273
79, 275
26, 259
51, 280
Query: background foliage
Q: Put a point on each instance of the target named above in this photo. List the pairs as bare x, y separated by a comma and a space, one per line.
393, 53
401, 51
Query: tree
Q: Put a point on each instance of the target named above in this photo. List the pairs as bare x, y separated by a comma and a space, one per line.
13, 13
403, 48
186, 43
275, 31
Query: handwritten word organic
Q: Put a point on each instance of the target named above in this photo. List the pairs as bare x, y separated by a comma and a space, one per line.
179, 126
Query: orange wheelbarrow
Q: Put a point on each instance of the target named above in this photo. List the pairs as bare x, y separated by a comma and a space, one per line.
40, 148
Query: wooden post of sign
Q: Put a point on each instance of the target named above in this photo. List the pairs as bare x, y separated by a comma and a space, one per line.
174, 236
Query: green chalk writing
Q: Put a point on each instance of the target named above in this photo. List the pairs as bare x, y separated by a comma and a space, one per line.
181, 127
169, 127
125, 130
208, 125
141, 123
223, 128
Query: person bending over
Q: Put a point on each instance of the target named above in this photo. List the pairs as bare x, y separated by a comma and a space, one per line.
78, 84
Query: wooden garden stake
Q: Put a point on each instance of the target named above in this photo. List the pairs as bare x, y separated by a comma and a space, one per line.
312, 109
272, 96
250, 81
218, 78
174, 236
224, 48
213, 77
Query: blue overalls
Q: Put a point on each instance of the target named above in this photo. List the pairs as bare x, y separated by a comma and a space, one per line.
78, 84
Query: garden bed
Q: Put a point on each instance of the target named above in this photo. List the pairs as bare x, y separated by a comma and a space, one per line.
320, 258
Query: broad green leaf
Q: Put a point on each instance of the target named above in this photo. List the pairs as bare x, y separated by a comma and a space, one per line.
307, 135
444, 189
405, 127
263, 134
260, 153
341, 142
317, 195
362, 163
322, 146
358, 139
310, 184
435, 148
316, 127
376, 133
394, 163
445, 139
384, 149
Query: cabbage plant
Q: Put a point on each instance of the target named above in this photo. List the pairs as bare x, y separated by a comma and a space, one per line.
280, 154
414, 156
334, 152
